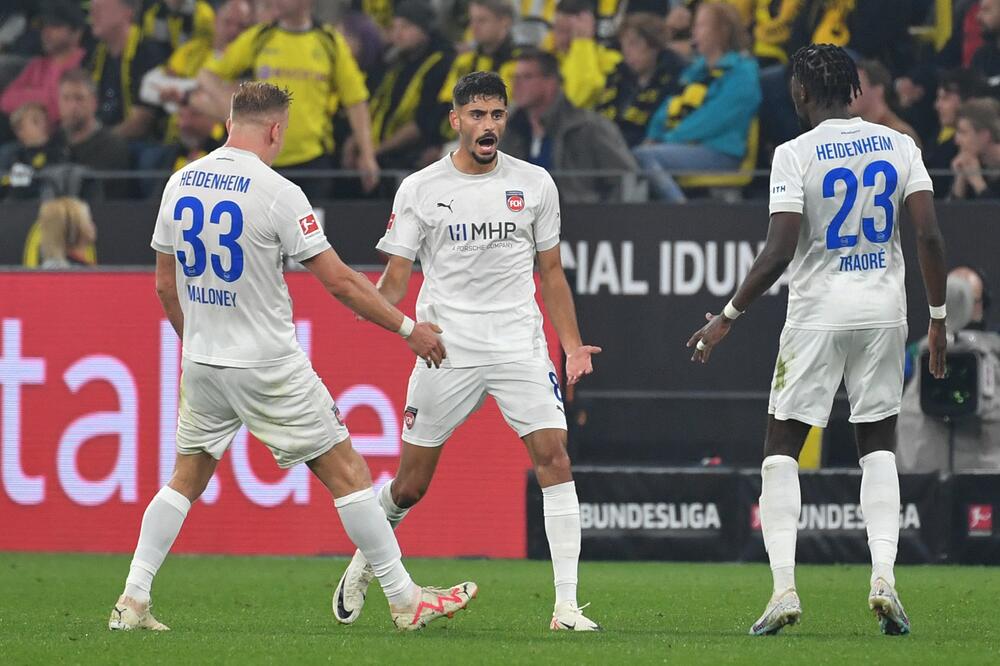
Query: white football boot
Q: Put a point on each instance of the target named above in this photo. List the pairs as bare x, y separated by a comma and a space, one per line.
568, 617
349, 597
892, 619
784, 608
129, 614
434, 603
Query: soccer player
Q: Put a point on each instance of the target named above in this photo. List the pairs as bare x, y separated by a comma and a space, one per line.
836, 192
477, 219
224, 222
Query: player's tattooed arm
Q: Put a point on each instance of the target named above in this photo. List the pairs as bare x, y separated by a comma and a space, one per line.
558, 301
933, 268
166, 289
778, 252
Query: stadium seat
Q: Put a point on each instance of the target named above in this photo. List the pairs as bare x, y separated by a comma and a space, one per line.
730, 180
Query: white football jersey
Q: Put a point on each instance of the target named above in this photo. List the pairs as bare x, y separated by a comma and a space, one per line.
848, 179
227, 218
476, 237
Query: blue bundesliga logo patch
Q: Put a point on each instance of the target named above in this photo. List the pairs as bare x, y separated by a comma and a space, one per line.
515, 200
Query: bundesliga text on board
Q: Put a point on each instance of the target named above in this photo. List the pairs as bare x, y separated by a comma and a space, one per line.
839, 517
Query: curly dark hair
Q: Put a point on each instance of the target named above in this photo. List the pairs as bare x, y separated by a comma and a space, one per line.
479, 84
827, 73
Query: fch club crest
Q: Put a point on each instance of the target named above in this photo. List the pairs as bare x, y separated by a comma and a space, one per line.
515, 200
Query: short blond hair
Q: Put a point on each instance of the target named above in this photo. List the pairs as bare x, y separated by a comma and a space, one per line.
22, 112
254, 100
64, 223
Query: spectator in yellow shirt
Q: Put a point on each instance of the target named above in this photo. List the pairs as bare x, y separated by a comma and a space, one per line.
584, 64
315, 64
490, 22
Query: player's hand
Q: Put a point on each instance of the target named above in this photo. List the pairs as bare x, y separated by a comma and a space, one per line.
368, 166
708, 336
426, 344
579, 363
937, 342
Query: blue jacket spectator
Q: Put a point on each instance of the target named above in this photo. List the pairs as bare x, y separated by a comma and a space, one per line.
705, 126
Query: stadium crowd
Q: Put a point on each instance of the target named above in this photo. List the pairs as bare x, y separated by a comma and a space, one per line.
665, 99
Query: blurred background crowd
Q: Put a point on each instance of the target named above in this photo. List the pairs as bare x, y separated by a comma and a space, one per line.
622, 100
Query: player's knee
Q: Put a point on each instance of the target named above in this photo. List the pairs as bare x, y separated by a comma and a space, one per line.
407, 493
553, 461
189, 487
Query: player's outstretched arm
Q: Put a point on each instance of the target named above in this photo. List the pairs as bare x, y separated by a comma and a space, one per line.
166, 290
356, 292
930, 252
558, 301
395, 279
778, 252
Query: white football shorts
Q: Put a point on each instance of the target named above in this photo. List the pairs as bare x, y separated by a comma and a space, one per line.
438, 400
812, 363
287, 407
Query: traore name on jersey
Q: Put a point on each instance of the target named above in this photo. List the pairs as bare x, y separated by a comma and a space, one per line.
848, 179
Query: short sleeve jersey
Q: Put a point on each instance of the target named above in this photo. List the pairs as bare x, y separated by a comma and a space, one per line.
228, 218
476, 237
316, 65
848, 179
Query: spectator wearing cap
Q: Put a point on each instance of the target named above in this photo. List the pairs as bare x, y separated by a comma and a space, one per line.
406, 115
62, 29
977, 134
548, 131
873, 104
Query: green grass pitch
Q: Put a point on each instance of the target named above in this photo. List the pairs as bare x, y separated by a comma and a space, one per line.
241, 610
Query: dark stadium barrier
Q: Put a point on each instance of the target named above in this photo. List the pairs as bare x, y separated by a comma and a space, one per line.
643, 513
644, 275
974, 538
650, 514
831, 525
89, 372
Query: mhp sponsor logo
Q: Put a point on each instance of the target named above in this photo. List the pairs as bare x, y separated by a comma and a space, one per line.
489, 231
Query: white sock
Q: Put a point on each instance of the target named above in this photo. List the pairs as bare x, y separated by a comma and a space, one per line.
367, 527
160, 524
561, 509
880, 506
780, 505
393, 513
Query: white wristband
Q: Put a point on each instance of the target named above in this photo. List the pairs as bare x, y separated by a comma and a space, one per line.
730, 311
406, 328
939, 311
